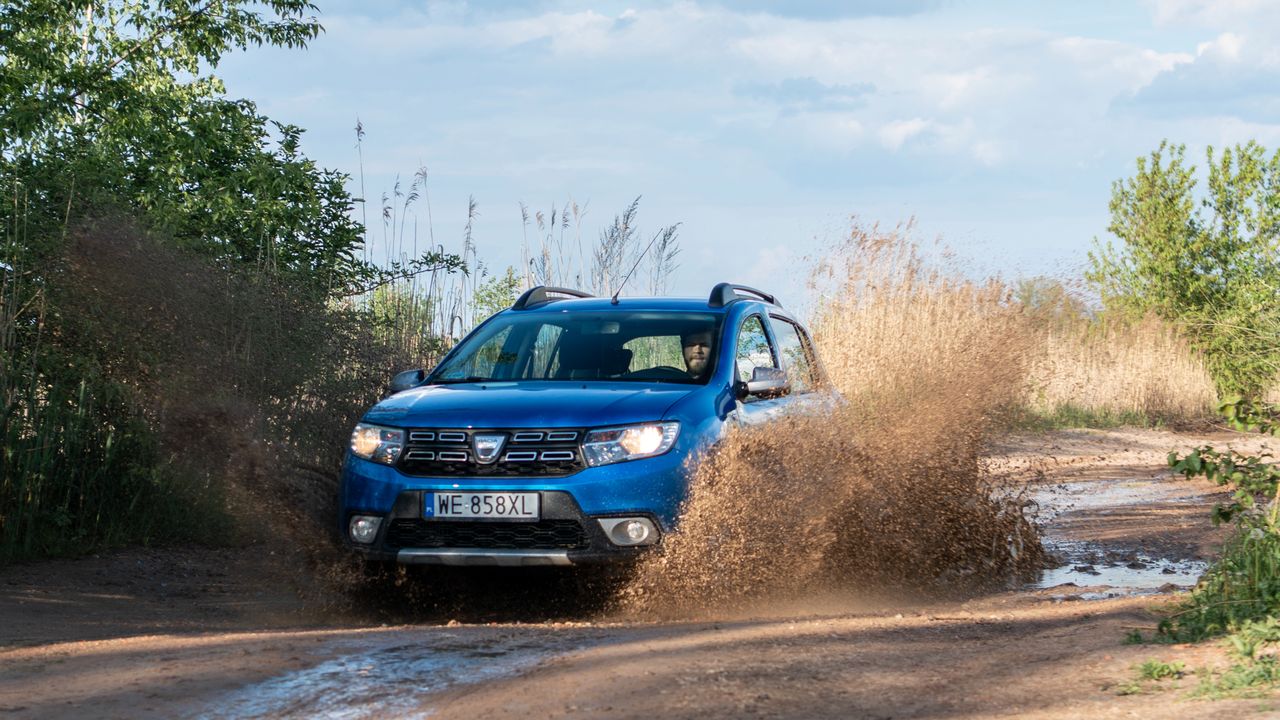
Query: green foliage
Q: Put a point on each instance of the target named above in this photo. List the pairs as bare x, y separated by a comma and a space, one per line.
113, 63
1254, 669
1211, 266
1158, 670
173, 296
495, 294
1240, 594
1250, 416
1252, 479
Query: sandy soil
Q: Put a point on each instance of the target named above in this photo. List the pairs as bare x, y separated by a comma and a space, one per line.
226, 633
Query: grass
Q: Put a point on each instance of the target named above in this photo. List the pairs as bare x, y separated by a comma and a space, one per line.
1160, 670
916, 322
1070, 415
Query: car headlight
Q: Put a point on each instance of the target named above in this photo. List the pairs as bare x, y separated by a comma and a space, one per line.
633, 442
377, 443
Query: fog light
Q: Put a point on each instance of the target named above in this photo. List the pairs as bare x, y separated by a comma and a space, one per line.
629, 531
636, 531
364, 528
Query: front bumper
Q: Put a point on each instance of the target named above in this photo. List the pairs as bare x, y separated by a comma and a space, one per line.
652, 488
564, 535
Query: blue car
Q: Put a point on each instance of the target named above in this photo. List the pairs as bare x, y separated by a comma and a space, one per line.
565, 430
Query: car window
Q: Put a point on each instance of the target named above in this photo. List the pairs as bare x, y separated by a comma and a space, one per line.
794, 348
543, 360
655, 351
754, 349
614, 346
491, 359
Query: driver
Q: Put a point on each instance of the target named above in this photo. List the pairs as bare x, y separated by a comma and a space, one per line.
695, 346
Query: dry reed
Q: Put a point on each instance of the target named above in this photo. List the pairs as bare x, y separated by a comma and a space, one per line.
1121, 369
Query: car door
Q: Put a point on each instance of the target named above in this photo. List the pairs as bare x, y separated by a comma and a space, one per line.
801, 364
755, 348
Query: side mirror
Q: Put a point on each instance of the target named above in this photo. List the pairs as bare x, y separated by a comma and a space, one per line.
765, 382
405, 380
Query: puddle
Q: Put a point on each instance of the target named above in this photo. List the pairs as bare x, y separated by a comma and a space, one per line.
1055, 500
386, 682
1091, 565
1088, 565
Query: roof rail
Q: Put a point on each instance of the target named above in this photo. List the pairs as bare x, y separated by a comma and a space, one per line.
540, 295
725, 293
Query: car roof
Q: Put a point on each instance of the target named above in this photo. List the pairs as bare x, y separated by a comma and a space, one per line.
625, 304
647, 304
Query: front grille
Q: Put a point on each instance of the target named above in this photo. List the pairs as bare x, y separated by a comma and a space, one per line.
525, 452
542, 535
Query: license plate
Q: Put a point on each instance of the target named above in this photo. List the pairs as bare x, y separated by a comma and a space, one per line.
489, 505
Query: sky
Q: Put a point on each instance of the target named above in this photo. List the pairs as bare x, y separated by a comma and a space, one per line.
767, 128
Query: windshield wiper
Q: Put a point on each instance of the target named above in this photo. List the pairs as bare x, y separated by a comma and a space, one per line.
455, 381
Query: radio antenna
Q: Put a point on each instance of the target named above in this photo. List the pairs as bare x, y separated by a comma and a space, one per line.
647, 248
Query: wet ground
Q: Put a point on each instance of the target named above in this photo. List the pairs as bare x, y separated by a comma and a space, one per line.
1116, 566
198, 633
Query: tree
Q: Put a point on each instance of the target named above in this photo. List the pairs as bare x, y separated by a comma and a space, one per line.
1212, 266
67, 62
113, 102
495, 294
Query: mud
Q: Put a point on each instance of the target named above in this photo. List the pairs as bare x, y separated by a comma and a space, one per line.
834, 502
176, 638
388, 680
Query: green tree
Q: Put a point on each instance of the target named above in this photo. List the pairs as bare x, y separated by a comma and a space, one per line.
113, 126
68, 62
114, 102
495, 294
1212, 265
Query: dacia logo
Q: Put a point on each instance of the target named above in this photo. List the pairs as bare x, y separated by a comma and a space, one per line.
487, 447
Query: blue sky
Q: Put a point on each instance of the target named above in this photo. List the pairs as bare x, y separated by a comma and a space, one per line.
763, 126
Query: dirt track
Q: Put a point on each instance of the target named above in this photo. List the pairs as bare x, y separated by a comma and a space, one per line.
209, 633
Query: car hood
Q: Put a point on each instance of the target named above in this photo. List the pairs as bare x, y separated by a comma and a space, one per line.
527, 404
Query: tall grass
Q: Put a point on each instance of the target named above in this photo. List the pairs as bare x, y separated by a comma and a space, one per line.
1142, 371
914, 323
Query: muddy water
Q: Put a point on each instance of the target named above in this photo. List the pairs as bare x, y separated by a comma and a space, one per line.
391, 679
1115, 567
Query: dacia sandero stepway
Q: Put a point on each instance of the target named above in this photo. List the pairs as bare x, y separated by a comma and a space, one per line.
565, 430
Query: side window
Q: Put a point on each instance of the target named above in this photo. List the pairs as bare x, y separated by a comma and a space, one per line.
753, 349
796, 353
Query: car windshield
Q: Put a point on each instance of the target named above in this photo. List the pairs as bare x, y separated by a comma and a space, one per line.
616, 345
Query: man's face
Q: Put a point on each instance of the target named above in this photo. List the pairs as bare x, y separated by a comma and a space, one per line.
697, 350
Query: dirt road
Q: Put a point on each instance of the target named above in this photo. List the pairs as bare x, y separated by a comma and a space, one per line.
211, 633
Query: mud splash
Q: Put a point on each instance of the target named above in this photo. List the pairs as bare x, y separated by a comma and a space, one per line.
886, 488
802, 508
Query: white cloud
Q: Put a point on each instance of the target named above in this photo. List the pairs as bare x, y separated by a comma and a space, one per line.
988, 153
1207, 12
717, 106
898, 132
1120, 66
1226, 47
